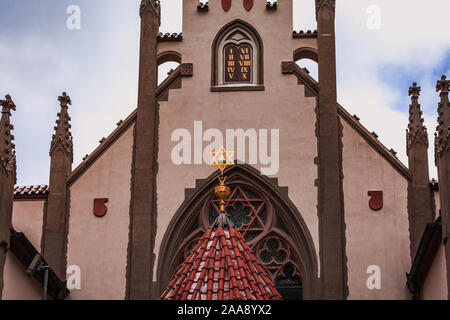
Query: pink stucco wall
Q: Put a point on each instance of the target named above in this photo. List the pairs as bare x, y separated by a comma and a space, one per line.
99, 245
374, 238
435, 285
282, 106
27, 218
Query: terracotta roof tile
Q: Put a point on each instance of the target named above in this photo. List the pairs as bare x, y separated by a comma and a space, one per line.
221, 267
302, 34
164, 37
30, 191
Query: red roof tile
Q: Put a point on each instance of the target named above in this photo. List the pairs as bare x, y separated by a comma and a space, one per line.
164, 37
25, 191
221, 267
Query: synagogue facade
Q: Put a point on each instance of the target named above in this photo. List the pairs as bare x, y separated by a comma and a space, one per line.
326, 210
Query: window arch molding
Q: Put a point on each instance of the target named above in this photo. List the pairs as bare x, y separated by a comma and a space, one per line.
306, 53
175, 240
224, 37
168, 56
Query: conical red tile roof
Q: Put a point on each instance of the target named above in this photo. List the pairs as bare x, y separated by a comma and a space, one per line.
221, 267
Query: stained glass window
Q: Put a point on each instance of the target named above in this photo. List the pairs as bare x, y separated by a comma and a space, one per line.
256, 218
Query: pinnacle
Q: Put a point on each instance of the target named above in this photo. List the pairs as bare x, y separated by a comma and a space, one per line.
62, 134
7, 152
416, 129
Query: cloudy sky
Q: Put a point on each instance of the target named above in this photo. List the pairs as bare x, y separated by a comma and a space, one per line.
382, 47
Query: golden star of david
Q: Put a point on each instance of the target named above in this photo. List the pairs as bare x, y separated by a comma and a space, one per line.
222, 158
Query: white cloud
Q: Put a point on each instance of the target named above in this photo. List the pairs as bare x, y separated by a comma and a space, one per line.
412, 38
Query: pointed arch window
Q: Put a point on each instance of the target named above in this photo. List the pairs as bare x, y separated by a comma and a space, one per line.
237, 59
263, 213
256, 218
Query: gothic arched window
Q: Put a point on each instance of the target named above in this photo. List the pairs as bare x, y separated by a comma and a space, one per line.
263, 213
256, 218
237, 58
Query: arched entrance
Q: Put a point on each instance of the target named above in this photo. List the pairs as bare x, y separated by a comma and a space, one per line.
267, 219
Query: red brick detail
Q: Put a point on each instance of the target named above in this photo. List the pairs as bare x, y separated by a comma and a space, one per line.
30, 190
376, 200
221, 267
100, 209
248, 4
226, 5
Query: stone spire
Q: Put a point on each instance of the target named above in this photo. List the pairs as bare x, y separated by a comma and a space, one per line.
442, 152
63, 137
7, 154
420, 207
7, 180
54, 241
444, 116
416, 129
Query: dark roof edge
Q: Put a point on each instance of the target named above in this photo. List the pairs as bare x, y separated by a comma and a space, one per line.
31, 197
25, 252
426, 253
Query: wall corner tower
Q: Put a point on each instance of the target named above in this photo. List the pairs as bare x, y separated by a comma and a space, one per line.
143, 216
420, 205
7, 180
442, 151
55, 227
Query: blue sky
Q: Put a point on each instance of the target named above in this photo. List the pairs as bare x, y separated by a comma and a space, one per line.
98, 67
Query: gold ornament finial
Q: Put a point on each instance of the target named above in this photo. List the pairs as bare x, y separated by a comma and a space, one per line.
222, 159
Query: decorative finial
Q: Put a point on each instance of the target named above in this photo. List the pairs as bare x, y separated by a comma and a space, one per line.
443, 85
416, 130
414, 91
64, 100
63, 136
7, 153
7, 104
222, 159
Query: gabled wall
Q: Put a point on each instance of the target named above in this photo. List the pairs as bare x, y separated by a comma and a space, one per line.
99, 245
379, 238
282, 106
435, 285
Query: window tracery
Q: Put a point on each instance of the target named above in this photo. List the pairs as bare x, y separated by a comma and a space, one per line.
255, 217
